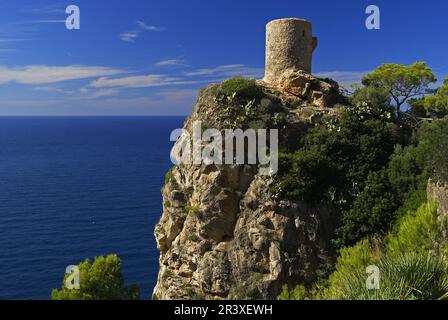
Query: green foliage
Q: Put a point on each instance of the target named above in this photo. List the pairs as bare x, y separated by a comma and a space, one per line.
193, 210
372, 212
437, 104
242, 88
336, 159
100, 280
351, 261
406, 170
413, 200
433, 143
193, 238
408, 276
378, 99
168, 175
298, 293
409, 263
304, 176
417, 232
402, 82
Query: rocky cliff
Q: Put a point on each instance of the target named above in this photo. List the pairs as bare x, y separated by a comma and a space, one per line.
223, 233
438, 192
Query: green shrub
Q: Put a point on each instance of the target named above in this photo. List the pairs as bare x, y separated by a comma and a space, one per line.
372, 212
193, 210
433, 141
298, 293
168, 175
304, 176
417, 232
413, 200
351, 262
409, 262
409, 276
242, 88
406, 170
100, 280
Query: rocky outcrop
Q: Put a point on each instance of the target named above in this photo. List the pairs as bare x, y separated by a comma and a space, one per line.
438, 192
223, 234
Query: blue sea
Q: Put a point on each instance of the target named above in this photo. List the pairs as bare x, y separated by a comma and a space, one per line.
78, 187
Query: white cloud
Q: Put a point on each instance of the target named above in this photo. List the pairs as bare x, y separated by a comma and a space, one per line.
147, 27
41, 74
98, 94
49, 21
131, 36
53, 89
170, 63
57, 8
167, 102
225, 71
141, 81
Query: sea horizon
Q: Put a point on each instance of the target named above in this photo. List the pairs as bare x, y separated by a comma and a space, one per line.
79, 187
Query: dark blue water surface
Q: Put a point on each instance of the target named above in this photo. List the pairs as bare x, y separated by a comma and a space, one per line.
78, 187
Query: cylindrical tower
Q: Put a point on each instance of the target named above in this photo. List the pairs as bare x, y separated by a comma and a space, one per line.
289, 45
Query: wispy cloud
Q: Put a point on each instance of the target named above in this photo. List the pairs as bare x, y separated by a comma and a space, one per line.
225, 71
55, 8
132, 35
97, 94
41, 74
53, 89
140, 81
48, 21
170, 63
148, 27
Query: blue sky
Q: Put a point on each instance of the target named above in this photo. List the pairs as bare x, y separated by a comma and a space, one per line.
149, 57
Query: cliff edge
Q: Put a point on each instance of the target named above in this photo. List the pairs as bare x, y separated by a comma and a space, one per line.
224, 233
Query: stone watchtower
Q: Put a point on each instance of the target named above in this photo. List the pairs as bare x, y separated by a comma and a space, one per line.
289, 46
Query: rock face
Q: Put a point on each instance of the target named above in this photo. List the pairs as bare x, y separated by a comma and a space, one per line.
223, 234
439, 193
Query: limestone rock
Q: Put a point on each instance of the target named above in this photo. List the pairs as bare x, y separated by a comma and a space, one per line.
223, 234
316, 92
438, 192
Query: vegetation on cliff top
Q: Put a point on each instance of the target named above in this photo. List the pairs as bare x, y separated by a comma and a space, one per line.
373, 169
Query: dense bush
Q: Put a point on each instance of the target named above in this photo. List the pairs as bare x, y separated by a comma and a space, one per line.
433, 142
305, 176
372, 212
100, 280
242, 88
298, 293
418, 232
409, 262
373, 168
333, 167
408, 276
